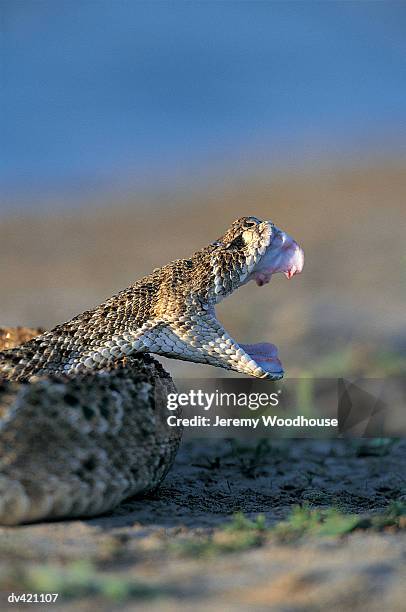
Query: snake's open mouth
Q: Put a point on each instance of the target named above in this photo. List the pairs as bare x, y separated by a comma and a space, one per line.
282, 255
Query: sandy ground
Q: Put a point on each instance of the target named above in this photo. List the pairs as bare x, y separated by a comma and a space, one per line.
145, 540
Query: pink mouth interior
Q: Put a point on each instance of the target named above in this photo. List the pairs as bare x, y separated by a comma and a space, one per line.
265, 355
288, 258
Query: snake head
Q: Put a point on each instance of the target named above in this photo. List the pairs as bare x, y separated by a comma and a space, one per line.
252, 249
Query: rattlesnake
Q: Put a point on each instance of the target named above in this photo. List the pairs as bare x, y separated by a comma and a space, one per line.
86, 427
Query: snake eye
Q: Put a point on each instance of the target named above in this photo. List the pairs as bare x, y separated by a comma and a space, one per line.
251, 222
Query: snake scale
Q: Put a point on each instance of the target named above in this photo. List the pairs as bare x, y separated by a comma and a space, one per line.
82, 406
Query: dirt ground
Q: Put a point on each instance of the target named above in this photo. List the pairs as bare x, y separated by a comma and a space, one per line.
160, 543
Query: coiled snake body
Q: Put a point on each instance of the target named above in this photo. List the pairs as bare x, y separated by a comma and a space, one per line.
82, 406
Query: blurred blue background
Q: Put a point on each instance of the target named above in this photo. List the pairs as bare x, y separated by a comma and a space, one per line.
129, 96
